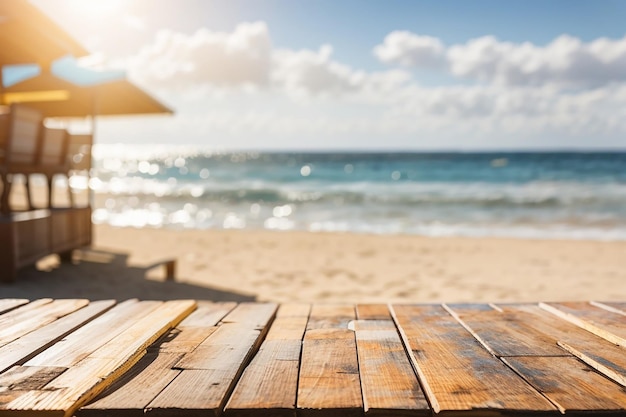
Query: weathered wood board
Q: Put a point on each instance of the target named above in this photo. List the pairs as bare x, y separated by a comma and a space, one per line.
269, 383
329, 372
570, 384
388, 382
132, 393
456, 371
8, 304
31, 344
606, 324
209, 373
100, 359
88, 377
33, 318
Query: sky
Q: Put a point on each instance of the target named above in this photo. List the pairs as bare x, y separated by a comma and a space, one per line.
363, 75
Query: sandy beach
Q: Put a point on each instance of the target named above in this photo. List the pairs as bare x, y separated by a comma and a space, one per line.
327, 267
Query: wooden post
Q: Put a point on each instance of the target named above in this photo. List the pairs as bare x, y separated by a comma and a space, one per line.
170, 270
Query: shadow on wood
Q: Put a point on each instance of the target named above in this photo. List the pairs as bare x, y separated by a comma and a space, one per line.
100, 274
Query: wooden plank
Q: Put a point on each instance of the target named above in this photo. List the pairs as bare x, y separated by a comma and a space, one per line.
131, 394
22, 379
229, 344
607, 358
269, 383
329, 377
79, 384
608, 325
294, 310
194, 329
389, 384
238, 334
207, 314
210, 372
27, 346
183, 339
253, 315
289, 321
570, 384
89, 338
143, 383
331, 316
373, 312
193, 392
513, 332
596, 351
37, 318
8, 304
22, 313
619, 308
455, 371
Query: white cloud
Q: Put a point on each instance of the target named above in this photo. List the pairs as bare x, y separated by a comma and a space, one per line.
410, 50
566, 62
245, 57
520, 110
236, 88
227, 59
309, 72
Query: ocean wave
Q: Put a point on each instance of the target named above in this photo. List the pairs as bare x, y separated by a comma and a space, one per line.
549, 195
535, 195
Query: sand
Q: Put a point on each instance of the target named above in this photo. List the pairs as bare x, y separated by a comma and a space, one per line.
325, 267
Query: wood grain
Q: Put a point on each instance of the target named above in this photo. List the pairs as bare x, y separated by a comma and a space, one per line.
597, 352
22, 313
456, 371
207, 314
210, 372
95, 334
269, 383
389, 384
20, 380
513, 332
8, 304
25, 378
194, 330
608, 325
331, 316
373, 312
607, 358
329, 376
570, 384
86, 379
38, 317
253, 315
31, 344
252, 359
132, 393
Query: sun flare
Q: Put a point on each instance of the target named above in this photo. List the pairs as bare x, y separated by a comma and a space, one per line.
95, 9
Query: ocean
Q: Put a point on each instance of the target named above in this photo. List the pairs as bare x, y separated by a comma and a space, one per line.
546, 195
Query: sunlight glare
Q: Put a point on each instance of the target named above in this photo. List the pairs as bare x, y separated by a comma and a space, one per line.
96, 9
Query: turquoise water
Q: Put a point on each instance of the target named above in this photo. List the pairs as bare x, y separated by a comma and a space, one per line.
544, 195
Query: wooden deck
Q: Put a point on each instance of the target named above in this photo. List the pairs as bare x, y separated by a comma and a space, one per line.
187, 358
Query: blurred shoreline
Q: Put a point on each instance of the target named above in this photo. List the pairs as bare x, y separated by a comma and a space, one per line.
546, 195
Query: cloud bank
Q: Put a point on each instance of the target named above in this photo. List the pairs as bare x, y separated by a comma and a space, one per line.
567, 89
565, 62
